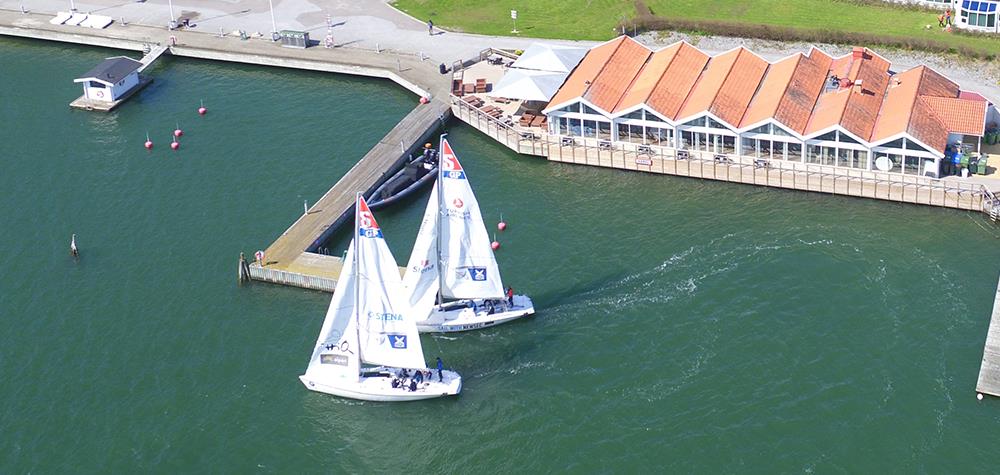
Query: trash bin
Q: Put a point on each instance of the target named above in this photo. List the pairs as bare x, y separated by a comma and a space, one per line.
443, 68
981, 168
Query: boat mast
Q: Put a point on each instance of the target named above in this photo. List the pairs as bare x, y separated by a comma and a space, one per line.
357, 273
441, 208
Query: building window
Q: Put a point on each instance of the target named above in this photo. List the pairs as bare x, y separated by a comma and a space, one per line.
794, 151
590, 110
604, 130
634, 115
911, 165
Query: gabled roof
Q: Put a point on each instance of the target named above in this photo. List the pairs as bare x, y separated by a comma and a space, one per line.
796, 105
610, 84
670, 92
642, 87
549, 57
805, 93
738, 90
772, 89
960, 116
111, 70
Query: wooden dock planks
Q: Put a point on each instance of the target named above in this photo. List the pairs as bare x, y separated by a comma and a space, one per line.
287, 252
989, 370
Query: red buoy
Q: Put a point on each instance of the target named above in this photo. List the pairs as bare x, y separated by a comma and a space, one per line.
495, 245
202, 110
178, 132
502, 225
175, 145
149, 145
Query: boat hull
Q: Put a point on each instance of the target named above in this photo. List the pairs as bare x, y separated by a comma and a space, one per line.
473, 314
379, 388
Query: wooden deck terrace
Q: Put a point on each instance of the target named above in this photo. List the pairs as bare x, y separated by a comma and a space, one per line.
286, 260
948, 193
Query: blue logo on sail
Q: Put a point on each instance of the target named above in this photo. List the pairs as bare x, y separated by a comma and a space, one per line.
457, 174
477, 274
370, 232
397, 341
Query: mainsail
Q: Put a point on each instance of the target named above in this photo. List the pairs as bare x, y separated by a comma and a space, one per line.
452, 252
366, 320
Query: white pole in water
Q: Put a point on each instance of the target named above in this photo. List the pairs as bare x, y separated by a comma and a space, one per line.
274, 26
305, 206
72, 246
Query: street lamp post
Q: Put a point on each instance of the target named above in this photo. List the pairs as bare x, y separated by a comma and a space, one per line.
172, 24
274, 26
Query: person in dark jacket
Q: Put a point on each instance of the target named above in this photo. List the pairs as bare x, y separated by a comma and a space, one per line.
440, 367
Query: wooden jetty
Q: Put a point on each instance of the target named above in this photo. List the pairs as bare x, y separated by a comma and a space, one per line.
286, 260
989, 370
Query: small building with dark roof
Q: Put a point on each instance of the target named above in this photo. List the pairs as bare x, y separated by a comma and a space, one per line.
113, 78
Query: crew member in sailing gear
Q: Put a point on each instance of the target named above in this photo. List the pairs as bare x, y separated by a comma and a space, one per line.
440, 367
413, 385
418, 376
510, 296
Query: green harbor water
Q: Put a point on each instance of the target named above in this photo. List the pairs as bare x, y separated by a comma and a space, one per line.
682, 326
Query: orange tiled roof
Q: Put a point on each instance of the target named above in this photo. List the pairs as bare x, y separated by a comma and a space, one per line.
642, 87
807, 82
611, 83
590, 66
742, 89
736, 93
960, 116
670, 92
772, 89
709, 83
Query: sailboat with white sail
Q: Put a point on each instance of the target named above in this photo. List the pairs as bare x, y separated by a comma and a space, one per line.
369, 347
452, 278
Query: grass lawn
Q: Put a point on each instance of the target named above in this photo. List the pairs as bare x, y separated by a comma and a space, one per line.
596, 19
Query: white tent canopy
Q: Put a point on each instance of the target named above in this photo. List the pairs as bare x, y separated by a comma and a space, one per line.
529, 85
546, 57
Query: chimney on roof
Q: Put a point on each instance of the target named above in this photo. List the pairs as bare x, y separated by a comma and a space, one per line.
857, 86
858, 52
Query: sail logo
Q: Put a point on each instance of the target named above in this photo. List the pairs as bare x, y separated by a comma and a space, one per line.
478, 274
458, 202
424, 266
367, 226
385, 317
449, 163
397, 341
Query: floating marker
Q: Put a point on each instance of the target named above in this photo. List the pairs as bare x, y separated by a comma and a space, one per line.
76, 252
175, 144
502, 224
979, 396
495, 244
202, 110
149, 143
178, 132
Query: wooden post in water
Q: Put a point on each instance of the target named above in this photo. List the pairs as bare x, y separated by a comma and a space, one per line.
243, 273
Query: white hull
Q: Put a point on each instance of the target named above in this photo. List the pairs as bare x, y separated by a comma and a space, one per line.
379, 388
473, 314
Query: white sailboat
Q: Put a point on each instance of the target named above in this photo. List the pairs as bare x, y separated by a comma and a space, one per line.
369, 338
452, 278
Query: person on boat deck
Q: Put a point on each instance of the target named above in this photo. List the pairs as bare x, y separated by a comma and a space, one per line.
395, 382
418, 376
440, 367
413, 385
489, 307
510, 296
